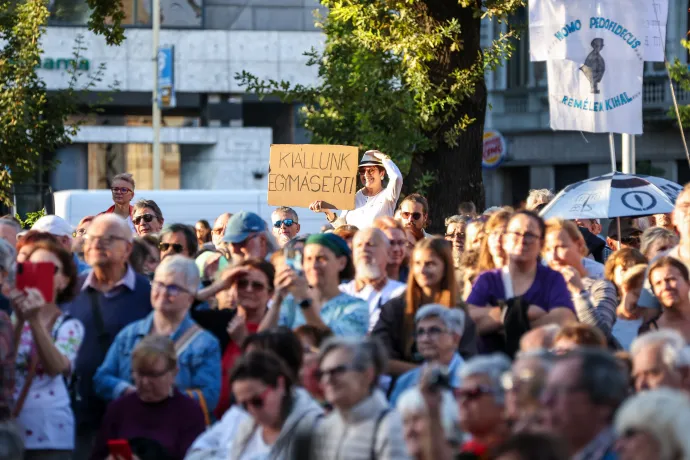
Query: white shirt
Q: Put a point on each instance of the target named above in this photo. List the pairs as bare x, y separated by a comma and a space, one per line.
369, 208
374, 298
594, 269
256, 448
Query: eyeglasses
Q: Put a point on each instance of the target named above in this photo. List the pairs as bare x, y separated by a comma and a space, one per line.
244, 283
527, 237
472, 394
145, 217
455, 236
150, 374
334, 372
370, 170
415, 215
256, 401
79, 232
286, 222
106, 240
121, 190
171, 290
631, 241
244, 243
433, 332
176, 247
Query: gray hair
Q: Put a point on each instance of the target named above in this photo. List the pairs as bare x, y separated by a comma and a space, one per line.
452, 318
670, 342
9, 222
152, 205
366, 353
7, 257
127, 177
184, 266
665, 414
287, 210
492, 366
11, 443
654, 234
114, 219
537, 197
411, 401
457, 219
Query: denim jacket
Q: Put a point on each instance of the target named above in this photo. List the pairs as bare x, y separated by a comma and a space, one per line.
199, 363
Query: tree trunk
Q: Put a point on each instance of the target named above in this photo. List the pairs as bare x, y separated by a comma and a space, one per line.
459, 168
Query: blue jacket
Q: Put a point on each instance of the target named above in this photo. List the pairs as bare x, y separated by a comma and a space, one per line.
199, 363
411, 378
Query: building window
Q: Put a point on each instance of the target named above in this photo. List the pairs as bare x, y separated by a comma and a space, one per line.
174, 13
518, 64
569, 174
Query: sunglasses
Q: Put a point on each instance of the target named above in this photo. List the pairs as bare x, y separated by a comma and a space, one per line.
256, 401
286, 222
176, 247
334, 372
244, 283
80, 232
472, 394
145, 217
432, 332
414, 215
121, 190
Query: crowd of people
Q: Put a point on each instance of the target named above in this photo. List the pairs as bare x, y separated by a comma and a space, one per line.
506, 337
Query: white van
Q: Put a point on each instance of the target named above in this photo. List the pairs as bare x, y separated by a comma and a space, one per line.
181, 206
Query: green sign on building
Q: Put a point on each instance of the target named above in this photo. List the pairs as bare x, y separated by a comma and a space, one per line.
64, 64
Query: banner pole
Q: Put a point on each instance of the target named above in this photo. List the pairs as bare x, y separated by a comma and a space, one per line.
612, 147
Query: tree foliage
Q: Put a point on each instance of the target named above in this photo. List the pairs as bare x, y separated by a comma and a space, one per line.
406, 77
33, 123
680, 73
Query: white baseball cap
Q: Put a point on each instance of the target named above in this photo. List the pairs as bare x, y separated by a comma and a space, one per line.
54, 225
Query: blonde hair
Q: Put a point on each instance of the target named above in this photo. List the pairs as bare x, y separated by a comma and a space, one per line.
557, 224
498, 219
151, 348
127, 177
537, 197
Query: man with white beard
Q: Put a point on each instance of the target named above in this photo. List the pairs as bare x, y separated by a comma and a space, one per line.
370, 253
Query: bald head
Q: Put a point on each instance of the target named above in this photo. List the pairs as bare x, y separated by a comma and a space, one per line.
218, 230
370, 253
540, 338
108, 241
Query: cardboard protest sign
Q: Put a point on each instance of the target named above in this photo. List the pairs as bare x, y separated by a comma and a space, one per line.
551, 20
300, 174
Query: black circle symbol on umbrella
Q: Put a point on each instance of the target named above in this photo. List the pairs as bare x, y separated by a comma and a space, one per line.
638, 200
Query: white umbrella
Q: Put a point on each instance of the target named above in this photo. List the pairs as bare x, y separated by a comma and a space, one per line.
613, 195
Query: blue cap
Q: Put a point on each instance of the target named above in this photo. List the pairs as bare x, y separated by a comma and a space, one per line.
241, 225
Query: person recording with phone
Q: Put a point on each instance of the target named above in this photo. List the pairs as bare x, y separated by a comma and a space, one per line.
438, 330
372, 200
47, 341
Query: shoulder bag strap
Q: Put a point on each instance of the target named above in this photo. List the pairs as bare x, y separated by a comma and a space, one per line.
102, 336
379, 420
187, 338
33, 364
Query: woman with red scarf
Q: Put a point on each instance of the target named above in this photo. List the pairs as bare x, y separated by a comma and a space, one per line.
241, 308
122, 188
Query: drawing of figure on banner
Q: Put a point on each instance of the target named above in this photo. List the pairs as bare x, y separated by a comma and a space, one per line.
595, 66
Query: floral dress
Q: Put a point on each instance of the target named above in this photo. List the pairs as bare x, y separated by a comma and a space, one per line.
46, 419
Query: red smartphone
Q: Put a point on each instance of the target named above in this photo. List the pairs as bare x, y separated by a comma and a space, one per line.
37, 275
119, 449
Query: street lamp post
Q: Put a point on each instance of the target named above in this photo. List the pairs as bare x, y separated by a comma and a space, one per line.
156, 108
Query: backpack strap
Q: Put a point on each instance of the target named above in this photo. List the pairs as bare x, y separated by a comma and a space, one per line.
379, 420
187, 338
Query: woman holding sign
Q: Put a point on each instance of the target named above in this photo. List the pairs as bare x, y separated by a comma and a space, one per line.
371, 201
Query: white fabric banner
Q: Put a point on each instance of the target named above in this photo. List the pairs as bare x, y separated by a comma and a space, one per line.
551, 20
595, 66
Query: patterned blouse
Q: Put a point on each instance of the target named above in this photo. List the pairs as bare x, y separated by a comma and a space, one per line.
343, 314
46, 419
